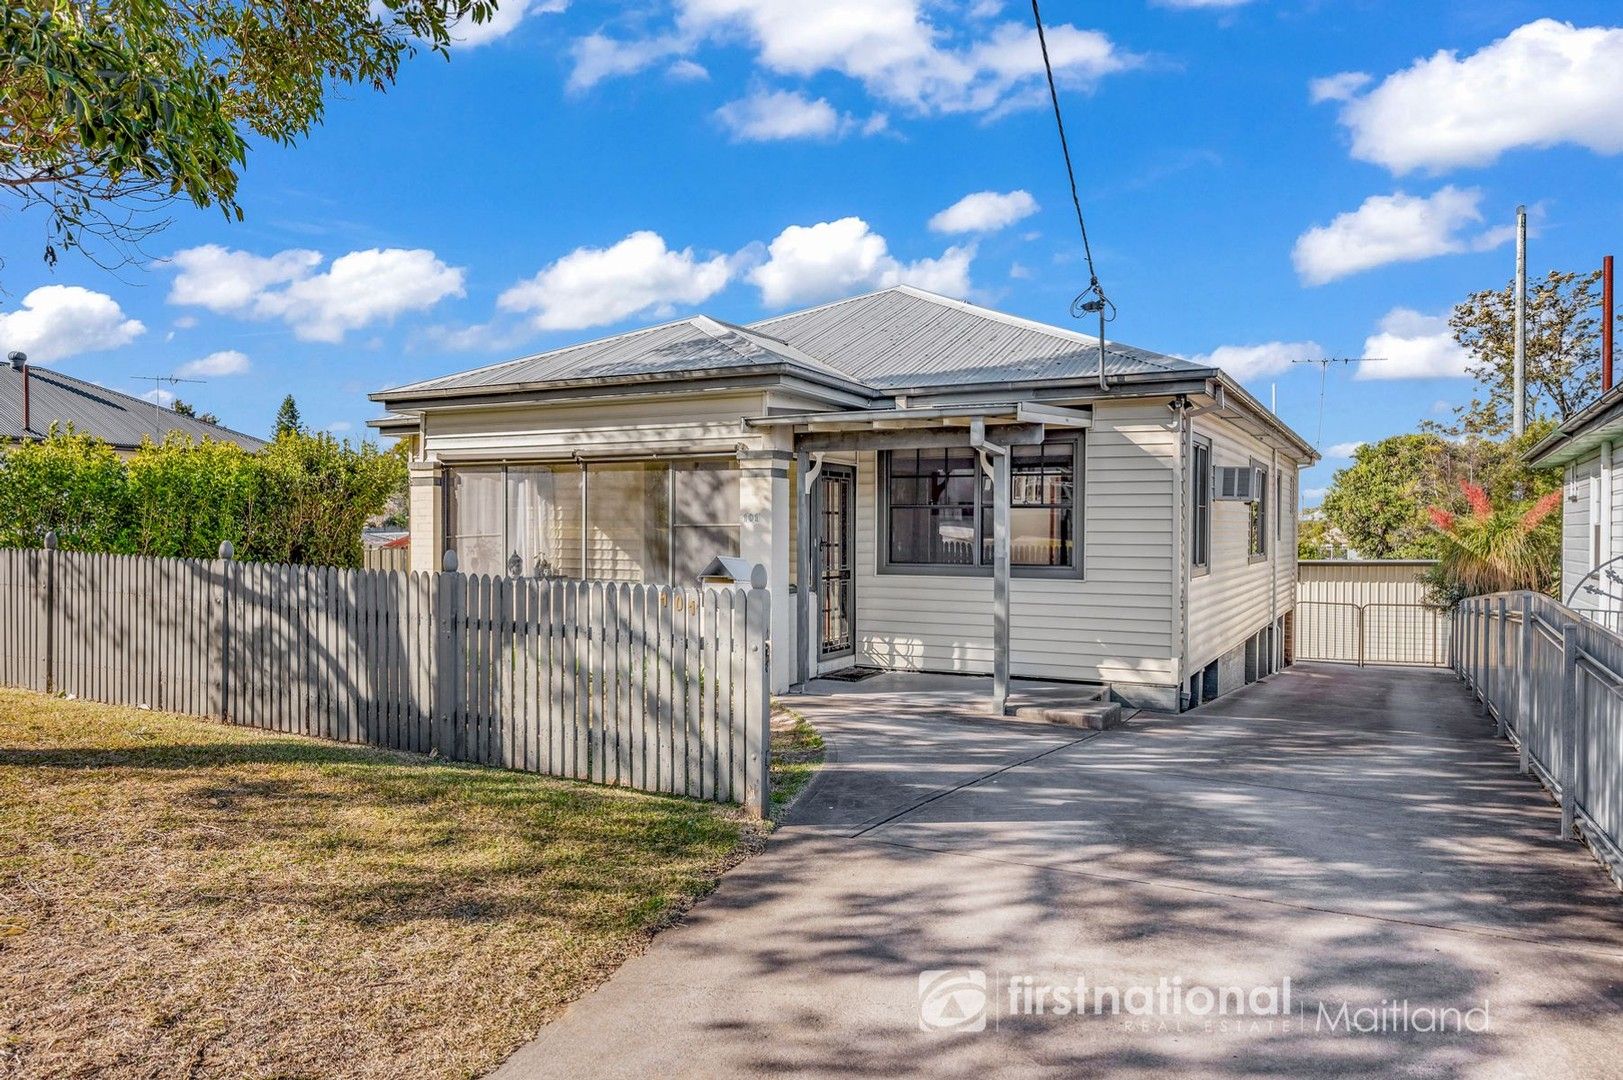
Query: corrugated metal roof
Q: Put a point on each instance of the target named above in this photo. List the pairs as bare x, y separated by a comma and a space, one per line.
895, 339
904, 338
119, 419
697, 344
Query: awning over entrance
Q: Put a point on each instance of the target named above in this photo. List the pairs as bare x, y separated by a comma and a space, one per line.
990, 429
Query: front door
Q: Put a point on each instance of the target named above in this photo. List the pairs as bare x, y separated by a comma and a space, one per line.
836, 553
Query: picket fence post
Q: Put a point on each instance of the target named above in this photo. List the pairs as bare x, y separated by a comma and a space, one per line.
757, 693
447, 656
48, 652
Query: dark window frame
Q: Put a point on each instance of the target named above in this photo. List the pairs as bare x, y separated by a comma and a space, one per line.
1200, 512
1078, 444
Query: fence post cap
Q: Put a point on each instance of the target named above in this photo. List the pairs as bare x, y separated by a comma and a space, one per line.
448, 561
227, 551
758, 576
50, 539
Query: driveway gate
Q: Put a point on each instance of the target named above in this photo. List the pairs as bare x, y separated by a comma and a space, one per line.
1366, 611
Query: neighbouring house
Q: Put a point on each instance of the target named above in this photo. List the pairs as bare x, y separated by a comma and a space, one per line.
961, 489
33, 399
1588, 448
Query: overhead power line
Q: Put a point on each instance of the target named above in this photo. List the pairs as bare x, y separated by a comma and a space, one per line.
1092, 300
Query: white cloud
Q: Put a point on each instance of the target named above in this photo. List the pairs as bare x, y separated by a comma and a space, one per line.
1545, 83
985, 211
815, 262
215, 364
1343, 449
892, 47
58, 321
779, 114
1314, 494
1019, 272
159, 396
688, 71
505, 20
1414, 346
1337, 87
356, 290
597, 286
1393, 228
1246, 362
339, 426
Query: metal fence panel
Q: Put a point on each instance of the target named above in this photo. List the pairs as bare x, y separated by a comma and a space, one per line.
1553, 679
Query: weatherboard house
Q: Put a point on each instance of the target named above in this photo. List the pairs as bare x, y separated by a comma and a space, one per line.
930, 486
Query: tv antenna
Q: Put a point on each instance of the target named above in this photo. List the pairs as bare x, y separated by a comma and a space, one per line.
1324, 363
157, 382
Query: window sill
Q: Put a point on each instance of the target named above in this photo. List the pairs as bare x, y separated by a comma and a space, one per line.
1042, 573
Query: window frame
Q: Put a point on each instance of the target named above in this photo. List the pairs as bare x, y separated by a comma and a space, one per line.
1200, 515
1078, 444
1261, 550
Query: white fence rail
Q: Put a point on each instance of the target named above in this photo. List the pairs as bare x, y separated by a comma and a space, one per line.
1553, 682
653, 687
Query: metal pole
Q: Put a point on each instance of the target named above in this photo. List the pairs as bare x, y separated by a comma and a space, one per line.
1524, 669
1519, 373
1502, 673
1608, 317
1568, 767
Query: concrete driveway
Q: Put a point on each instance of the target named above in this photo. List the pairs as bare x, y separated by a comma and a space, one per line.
1357, 832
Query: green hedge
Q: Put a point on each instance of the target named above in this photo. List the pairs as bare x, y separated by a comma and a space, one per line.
303, 499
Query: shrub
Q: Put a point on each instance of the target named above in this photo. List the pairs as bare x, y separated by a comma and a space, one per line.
303, 499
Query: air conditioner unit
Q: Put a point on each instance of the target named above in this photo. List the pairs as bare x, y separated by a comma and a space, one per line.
1236, 483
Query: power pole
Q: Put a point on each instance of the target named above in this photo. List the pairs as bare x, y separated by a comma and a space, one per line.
1518, 422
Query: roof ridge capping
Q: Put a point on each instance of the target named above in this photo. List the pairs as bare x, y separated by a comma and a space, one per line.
1161, 360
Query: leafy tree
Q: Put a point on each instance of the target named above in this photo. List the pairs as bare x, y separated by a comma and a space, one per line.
113, 109
321, 493
68, 482
288, 421
1494, 549
1563, 352
1380, 505
185, 408
189, 496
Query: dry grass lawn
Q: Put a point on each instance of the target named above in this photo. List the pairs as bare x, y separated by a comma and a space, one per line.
184, 898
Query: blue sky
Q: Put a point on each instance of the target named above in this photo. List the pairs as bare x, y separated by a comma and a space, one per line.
1263, 180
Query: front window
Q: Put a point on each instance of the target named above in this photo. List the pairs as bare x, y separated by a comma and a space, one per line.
938, 508
659, 522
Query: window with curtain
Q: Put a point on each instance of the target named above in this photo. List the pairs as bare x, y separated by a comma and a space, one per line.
938, 508
659, 522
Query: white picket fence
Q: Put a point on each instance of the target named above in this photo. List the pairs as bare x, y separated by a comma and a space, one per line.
657, 688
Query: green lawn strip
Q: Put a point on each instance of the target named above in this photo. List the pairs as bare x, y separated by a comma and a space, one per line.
184, 897
797, 754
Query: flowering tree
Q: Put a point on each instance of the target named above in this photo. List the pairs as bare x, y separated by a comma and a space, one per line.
1494, 550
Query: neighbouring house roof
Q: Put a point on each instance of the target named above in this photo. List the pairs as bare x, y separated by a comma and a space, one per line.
874, 348
121, 420
1583, 432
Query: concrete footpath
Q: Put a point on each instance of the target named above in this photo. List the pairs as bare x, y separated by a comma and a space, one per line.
1354, 841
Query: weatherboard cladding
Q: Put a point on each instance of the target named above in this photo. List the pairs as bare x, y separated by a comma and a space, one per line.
896, 339
115, 418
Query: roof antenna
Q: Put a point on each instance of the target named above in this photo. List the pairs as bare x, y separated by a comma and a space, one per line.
1092, 300
1324, 363
157, 394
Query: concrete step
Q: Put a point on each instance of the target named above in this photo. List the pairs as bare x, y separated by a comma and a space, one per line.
1095, 715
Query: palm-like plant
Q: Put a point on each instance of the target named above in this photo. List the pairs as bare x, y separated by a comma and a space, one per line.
1494, 550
